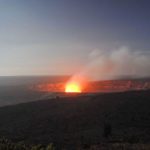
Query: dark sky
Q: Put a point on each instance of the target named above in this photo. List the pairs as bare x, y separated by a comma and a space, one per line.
44, 36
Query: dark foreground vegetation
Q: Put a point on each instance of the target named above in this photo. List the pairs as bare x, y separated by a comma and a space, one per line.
104, 121
8, 145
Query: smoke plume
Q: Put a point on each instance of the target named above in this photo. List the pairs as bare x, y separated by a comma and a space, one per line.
113, 64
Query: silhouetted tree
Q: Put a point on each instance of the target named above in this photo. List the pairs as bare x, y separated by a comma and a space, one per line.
107, 130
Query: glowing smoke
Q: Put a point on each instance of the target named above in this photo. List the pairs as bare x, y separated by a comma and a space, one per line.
105, 65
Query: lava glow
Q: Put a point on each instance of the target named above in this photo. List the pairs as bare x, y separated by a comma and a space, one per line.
73, 87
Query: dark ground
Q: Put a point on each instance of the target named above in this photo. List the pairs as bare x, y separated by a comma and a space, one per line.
73, 121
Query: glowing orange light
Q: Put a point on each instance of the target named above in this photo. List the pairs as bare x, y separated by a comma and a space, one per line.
72, 87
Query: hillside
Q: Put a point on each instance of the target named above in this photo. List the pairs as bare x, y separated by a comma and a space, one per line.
79, 120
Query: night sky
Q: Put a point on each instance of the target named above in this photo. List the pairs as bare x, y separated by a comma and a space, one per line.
48, 37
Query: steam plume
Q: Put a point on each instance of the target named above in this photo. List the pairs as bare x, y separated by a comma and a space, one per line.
104, 65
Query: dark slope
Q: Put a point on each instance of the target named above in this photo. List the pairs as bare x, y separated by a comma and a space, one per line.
77, 120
